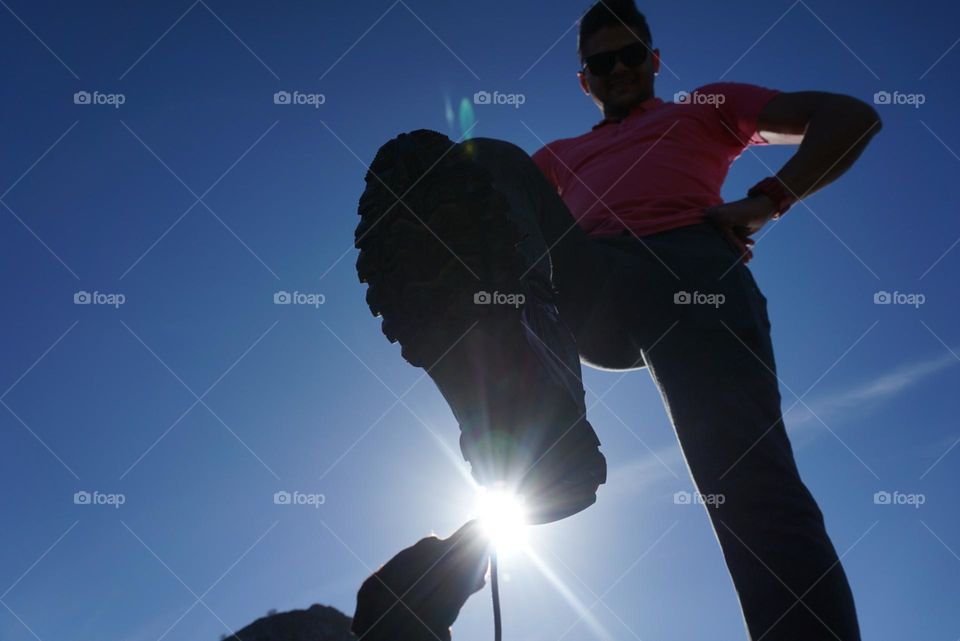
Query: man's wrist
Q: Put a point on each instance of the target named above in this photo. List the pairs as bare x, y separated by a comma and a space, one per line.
774, 190
771, 205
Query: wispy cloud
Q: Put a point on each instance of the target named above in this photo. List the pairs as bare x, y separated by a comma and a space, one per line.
868, 395
642, 473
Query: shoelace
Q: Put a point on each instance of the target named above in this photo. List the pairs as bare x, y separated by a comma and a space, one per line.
495, 589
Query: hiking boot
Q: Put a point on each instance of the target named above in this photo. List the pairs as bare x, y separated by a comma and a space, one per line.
439, 252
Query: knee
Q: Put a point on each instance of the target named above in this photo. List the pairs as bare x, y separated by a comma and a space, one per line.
609, 357
775, 505
605, 345
606, 330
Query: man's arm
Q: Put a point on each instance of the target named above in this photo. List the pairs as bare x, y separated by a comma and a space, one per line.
831, 129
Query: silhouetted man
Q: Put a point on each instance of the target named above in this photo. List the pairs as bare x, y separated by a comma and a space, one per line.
499, 273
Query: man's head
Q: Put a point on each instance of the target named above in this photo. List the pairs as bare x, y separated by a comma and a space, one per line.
617, 58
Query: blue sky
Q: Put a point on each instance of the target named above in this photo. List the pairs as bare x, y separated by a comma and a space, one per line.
198, 398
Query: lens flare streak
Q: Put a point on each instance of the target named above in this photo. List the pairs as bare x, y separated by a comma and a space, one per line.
582, 611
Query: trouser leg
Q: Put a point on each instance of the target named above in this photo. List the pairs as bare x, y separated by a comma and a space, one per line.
712, 361
725, 409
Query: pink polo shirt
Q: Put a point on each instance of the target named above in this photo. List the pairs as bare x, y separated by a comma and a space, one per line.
660, 166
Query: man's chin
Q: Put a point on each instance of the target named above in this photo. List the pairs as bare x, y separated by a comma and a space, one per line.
623, 103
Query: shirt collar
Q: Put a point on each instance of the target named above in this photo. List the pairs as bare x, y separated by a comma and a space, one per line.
644, 106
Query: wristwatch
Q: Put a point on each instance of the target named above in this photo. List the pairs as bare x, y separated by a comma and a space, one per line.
774, 189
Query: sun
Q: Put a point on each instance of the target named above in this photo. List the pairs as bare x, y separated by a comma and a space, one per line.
502, 516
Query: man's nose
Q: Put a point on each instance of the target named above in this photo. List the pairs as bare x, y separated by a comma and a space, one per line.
619, 68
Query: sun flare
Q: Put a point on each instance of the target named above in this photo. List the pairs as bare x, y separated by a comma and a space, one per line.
503, 517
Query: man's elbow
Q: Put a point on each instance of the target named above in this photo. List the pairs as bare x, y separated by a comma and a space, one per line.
862, 116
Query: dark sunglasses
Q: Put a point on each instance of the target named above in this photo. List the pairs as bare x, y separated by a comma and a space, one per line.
600, 64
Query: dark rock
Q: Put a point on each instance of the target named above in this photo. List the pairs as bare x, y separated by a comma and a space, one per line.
317, 623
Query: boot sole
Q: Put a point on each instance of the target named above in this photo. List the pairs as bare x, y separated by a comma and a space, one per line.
433, 232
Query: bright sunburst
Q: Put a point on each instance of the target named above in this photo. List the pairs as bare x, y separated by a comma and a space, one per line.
503, 518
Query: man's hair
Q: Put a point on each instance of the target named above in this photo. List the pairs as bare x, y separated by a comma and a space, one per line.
608, 13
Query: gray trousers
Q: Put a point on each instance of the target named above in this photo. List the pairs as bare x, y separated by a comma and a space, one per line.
673, 302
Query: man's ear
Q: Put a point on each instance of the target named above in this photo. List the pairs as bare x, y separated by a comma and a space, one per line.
583, 82
656, 61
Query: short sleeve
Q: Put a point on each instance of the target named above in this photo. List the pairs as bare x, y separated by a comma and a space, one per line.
738, 106
545, 160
